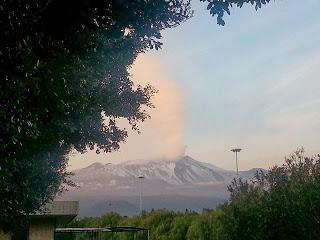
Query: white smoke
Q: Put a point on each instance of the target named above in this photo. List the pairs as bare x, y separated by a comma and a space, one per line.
163, 133
161, 136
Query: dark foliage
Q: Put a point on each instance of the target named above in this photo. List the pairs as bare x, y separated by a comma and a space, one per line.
220, 7
281, 204
64, 83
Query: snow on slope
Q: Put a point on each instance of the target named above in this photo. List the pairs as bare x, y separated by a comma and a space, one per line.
180, 172
176, 185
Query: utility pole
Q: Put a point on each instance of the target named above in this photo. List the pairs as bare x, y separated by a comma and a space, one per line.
140, 183
236, 150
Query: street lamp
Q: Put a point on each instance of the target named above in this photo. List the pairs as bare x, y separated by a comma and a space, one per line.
140, 183
110, 187
236, 150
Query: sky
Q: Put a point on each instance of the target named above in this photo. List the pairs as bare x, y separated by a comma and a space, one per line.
253, 83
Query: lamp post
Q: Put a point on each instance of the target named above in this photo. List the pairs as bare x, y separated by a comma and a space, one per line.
140, 183
110, 204
236, 150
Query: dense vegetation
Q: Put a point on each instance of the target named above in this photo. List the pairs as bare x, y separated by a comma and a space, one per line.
283, 203
65, 83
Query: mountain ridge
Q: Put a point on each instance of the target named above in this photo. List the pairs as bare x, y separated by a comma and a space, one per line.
184, 170
185, 180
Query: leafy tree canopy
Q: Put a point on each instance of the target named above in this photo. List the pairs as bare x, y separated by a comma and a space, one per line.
280, 204
64, 83
220, 7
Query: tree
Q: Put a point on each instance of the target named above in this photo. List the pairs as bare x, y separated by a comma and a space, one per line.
281, 204
65, 83
205, 226
180, 225
220, 7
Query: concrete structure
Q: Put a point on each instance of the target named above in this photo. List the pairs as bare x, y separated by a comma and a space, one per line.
43, 225
101, 233
44, 222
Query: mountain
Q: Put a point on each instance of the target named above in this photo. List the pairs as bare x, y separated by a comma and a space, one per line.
175, 184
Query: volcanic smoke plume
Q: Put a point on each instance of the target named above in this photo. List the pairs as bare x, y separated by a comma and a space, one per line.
162, 134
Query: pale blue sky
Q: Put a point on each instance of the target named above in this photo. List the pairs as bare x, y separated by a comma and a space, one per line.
253, 83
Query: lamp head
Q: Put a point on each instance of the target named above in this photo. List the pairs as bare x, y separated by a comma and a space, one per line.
236, 150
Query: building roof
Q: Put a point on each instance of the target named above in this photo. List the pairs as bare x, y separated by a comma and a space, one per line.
95, 230
60, 211
59, 208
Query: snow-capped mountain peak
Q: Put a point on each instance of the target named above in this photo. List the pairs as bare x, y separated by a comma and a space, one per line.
174, 184
184, 170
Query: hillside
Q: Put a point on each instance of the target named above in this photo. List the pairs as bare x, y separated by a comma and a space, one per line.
175, 184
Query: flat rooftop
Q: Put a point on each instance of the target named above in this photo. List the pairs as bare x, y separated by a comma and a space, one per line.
60, 211
57, 208
106, 229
